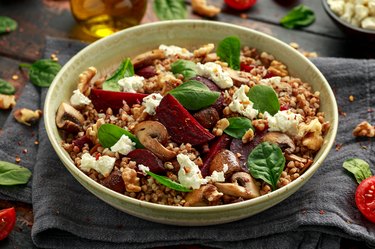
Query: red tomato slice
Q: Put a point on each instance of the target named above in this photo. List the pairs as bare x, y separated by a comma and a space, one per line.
240, 4
7, 221
365, 198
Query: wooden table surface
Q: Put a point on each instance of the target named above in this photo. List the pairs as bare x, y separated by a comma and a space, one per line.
40, 18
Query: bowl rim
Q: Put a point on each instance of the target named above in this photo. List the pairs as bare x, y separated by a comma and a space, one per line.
346, 24
67, 161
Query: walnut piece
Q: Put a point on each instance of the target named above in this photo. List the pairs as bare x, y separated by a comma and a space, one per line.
364, 129
204, 50
85, 80
131, 180
278, 69
220, 126
202, 8
27, 116
311, 134
248, 136
7, 101
92, 131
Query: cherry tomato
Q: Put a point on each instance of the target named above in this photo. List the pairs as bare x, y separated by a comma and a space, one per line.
365, 198
240, 4
7, 221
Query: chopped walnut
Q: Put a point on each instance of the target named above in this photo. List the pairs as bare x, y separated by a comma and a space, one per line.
7, 101
85, 79
279, 69
27, 116
204, 50
311, 134
364, 129
92, 131
248, 136
260, 124
220, 126
132, 183
202, 8
168, 81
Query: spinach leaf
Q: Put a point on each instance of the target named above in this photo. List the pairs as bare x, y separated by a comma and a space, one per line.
184, 67
168, 182
125, 69
358, 167
264, 99
12, 174
299, 16
42, 72
6, 87
266, 162
229, 51
170, 9
7, 24
109, 134
238, 127
194, 95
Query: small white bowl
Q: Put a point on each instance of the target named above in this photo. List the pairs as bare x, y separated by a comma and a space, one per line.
109, 51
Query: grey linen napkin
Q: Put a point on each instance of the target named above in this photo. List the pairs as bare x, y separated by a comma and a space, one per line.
319, 215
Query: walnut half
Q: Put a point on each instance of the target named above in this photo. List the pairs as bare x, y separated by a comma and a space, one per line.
364, 129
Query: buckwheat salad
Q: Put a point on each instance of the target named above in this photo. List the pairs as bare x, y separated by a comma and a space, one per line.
217, 124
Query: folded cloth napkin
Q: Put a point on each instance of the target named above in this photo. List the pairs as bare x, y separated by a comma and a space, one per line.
319, 215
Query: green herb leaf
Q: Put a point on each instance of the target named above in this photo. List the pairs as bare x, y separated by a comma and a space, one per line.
170, 9
42, 72
109, 134
359, 168
12, 174
168, 182
184, 67
238, 126
194, 95
229, 51
6, 87
264, 99
266, 162
125, 69
7, 24
299, 16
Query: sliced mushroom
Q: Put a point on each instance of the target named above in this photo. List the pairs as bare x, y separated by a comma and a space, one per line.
27, 116
147, 58
205, 195
68, 118
225, 161
153, 135
238, 78
281, 139
243, 185
207, 117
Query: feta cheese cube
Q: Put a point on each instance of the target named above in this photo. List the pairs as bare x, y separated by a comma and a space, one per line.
78, 99
284, 121
242, 104
104, 165
124, 145
151, 102
131, 84
189, 174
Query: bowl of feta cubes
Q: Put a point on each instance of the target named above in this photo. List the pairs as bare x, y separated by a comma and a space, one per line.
354, 17
191, 122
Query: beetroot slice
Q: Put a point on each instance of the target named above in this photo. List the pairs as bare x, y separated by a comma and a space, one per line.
219, 105
216, 145
81, 141
147, 158
181, 125
102, 99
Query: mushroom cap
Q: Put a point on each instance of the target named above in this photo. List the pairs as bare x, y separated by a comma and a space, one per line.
228, 158
243, 185
147, 58
281, 139
203, 196
68, 118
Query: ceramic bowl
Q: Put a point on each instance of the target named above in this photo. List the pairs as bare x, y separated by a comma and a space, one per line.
186, 33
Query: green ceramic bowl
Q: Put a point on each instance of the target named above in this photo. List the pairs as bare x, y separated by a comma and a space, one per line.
185, 33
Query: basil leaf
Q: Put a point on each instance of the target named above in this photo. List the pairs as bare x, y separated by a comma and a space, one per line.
12, 174
266, 162
170, 9
229, 51
42, 72
238, 126
109, 134
359, 168
194, 95
7, 24
264, 99
184, 67
168, 182
125, 69
6, 87
299, 16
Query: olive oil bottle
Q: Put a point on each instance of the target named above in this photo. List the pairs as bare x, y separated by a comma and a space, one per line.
100, 18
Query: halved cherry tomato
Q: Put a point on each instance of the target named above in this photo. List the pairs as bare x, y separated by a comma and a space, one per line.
7, 221
365, 198
240, 4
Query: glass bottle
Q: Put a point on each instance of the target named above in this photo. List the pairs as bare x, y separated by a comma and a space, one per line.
100, 18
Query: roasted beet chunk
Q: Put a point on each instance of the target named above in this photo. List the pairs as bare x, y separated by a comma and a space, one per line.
147, 158
115, 182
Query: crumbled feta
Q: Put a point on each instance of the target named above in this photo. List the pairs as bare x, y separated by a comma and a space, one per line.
131, 84
124, 145
103, 165
242, 104
337, 7
215, 73
151, 102
348, 12
143, 168
189, 174
360, 12
369, 23
78, 99
273, 80
284, 121
216, 177
174, 50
